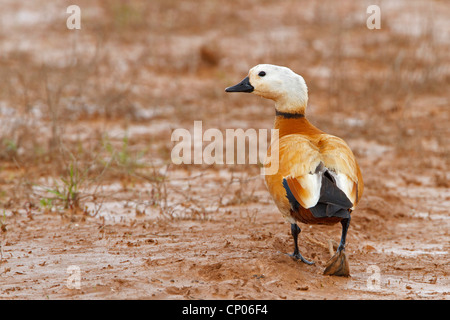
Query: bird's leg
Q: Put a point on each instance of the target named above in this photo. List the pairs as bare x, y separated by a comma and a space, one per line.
295, 231
345, 224
338, 264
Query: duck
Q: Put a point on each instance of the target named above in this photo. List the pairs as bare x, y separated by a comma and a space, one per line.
318, 180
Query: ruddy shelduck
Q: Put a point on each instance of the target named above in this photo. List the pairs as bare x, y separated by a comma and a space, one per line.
318, 180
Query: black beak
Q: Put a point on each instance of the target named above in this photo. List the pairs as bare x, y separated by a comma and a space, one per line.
243, 86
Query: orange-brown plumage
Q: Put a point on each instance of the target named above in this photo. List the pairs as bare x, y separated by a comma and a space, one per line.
290, 131
318, 180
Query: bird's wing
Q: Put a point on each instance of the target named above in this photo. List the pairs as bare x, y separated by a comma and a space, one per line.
306, 160
338, 158
299, 159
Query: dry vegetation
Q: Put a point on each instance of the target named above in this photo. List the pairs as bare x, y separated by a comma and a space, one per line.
86, 118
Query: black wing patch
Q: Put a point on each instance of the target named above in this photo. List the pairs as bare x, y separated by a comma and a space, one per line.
332, 201
292, 201
331, 194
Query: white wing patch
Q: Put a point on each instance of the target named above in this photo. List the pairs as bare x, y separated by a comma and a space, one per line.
312, 183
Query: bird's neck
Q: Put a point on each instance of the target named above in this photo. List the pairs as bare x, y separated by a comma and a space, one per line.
293, 123
289, 115
294, 103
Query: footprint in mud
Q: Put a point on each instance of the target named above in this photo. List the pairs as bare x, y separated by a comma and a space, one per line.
211, 271
181, 291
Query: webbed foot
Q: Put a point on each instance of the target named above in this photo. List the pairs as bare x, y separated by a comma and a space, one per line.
338, 265
298, 256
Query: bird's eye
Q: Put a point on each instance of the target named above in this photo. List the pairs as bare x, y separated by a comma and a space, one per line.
262, 74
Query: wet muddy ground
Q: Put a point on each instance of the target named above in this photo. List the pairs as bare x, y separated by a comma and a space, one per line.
100, 107
398, 248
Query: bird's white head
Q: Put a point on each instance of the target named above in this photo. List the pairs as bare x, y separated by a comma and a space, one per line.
281, 84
